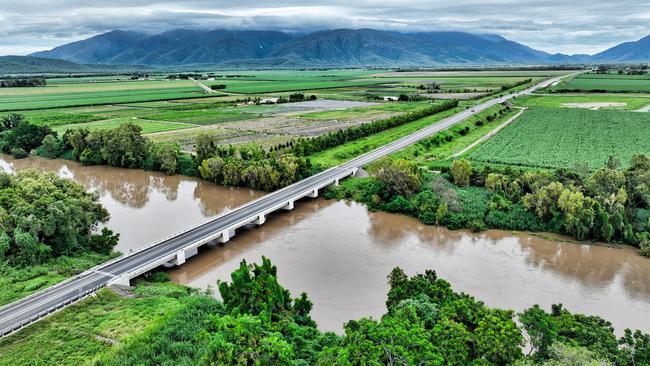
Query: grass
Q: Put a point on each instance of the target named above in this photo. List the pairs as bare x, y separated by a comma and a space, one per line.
147, 126
351, 149
557, 101
559, 137
85, 331
424, 153
17, 283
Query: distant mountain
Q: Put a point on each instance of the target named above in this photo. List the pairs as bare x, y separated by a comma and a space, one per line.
627, 52
96, 49
35, 65
329, 48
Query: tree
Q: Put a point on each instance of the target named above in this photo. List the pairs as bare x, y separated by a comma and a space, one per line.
166, 157
605, 182
399, 176
125, 146
211, 169
22, 134
45, 216
11, 120
50, 147
461, 171
205, 146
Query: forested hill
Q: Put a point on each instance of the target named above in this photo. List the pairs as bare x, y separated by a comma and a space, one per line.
330, 48
35, 65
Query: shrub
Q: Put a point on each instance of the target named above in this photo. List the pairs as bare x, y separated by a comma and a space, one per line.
18, 153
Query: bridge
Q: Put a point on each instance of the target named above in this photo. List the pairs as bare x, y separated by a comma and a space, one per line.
178, 248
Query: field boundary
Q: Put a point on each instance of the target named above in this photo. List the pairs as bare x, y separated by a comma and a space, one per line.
490, 134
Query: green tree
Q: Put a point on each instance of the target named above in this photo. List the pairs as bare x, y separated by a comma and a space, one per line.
399, 176
51, 147
166, 157
461, 171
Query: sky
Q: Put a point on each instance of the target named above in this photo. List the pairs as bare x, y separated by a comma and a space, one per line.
564, 26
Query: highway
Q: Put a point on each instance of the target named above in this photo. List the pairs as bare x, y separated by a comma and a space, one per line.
27, 310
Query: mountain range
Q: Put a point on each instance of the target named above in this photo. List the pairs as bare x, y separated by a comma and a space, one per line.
329, 48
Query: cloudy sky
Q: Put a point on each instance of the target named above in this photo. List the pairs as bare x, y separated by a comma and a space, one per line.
567, 26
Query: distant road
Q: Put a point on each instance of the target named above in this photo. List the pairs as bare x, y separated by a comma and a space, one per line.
32, 308
202, 86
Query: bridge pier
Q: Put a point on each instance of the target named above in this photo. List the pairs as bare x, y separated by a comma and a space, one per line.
123, 280
314, 193
180, 258
261, 219
226, 235
288, 206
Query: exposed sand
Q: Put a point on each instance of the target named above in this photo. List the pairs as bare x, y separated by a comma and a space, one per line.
644, 109
594, 106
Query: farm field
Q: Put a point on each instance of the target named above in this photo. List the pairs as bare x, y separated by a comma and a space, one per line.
146, 125
52, 97
178, 110
600, 101
351, 149
562, 137
425, 152
612, 83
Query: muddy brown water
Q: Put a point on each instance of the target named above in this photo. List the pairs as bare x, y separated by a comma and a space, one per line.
340, 254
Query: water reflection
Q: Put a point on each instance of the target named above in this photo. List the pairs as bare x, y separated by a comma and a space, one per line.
340, 254
144, 206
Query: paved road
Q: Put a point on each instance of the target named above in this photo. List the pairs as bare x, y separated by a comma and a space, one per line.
32, 308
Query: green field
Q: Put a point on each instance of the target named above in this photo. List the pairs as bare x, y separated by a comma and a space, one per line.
623, 83
15, 102
560, 100
283, 86
351, 149
424, 153
159, 105
556, 138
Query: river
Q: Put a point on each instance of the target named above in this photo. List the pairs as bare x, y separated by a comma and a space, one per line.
339, 253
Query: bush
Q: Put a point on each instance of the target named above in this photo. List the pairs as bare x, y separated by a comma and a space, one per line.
18, 153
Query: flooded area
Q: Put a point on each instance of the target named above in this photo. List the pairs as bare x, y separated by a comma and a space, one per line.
339, 253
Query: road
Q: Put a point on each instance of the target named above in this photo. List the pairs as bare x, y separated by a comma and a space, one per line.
30, 309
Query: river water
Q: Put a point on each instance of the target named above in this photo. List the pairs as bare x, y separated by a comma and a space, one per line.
340, 253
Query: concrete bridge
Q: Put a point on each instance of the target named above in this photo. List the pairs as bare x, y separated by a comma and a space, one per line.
177, 248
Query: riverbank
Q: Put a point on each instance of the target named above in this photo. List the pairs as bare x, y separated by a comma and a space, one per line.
162, 323
337, 250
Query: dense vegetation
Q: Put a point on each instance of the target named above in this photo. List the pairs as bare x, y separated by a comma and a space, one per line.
22, 82
249, 165
562, 137
43, 217
610, 204
259, 323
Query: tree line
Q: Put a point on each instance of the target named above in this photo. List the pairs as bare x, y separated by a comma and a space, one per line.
308, 146
22, 82
610, 204
248, 165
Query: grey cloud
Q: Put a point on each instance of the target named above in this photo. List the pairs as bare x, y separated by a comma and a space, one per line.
551, 25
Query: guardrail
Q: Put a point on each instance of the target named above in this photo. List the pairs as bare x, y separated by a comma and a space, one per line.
6, 331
